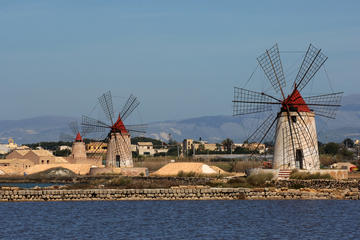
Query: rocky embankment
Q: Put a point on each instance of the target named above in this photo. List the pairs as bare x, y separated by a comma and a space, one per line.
185, 193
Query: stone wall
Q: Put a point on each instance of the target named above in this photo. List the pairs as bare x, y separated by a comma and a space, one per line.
317, 184
15, 194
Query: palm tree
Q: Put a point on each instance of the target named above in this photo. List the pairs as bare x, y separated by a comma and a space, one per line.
227, 143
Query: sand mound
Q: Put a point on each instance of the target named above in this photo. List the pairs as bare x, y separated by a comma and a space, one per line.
172, 169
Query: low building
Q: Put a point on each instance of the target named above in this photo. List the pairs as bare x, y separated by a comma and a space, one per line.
64, 147
20, 162
145, 148
255, 146
344, 165
207, 146
36, 156
16, 163
187, 146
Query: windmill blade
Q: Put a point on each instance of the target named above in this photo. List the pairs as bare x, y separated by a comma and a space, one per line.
137, 128
129, 107
66, 137
91, 125
312, 62
74, 127
107, 106
325, 105
266, 130
270, 62
84, 131
247, 102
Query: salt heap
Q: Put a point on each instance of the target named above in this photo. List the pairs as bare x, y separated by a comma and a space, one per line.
172, 169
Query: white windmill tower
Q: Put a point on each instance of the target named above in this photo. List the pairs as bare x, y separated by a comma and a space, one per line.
296, 144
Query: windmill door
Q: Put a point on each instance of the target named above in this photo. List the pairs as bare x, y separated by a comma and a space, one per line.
117, 160
299, 159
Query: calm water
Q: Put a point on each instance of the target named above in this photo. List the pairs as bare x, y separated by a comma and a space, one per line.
181, 220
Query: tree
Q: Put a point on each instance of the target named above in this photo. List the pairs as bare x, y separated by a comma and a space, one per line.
227, 143
331, 148
348, 142
62, 153
201, 148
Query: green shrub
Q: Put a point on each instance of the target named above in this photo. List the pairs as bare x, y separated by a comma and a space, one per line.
258, 180
181, 174
187, 174
307, 176
119, 181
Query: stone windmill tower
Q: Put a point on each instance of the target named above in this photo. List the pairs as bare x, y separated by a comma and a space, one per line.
291, 117
118, 134
78, 152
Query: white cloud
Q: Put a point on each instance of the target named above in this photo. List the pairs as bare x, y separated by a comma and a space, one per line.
164, 135
176, 131
30, 131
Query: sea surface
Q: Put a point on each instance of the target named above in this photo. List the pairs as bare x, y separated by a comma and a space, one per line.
288, 219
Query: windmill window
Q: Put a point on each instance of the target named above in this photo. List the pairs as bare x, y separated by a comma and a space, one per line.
47, 161
42, 161
117, 160
293, 118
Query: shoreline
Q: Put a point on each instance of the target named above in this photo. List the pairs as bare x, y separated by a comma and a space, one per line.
12, 194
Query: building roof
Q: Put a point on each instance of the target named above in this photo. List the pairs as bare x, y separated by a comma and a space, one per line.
119, 126
295, 100
78, 137
144, 143
22, 152
42, 153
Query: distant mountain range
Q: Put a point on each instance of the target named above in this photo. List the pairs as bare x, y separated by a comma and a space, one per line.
210, 128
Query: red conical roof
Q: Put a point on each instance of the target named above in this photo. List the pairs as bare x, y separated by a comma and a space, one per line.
295, 100
119, 126
78, 137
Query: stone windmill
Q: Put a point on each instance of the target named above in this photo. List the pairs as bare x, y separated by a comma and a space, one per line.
291, 117
118, 134
78, 147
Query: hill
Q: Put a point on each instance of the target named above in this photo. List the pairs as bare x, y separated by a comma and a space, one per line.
211, 128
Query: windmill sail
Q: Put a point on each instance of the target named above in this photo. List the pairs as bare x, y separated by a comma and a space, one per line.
130, 105
312, 62
107, 105
325, 105
270, 62
247, 102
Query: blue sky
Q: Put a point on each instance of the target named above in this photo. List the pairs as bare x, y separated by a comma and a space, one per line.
182, 58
